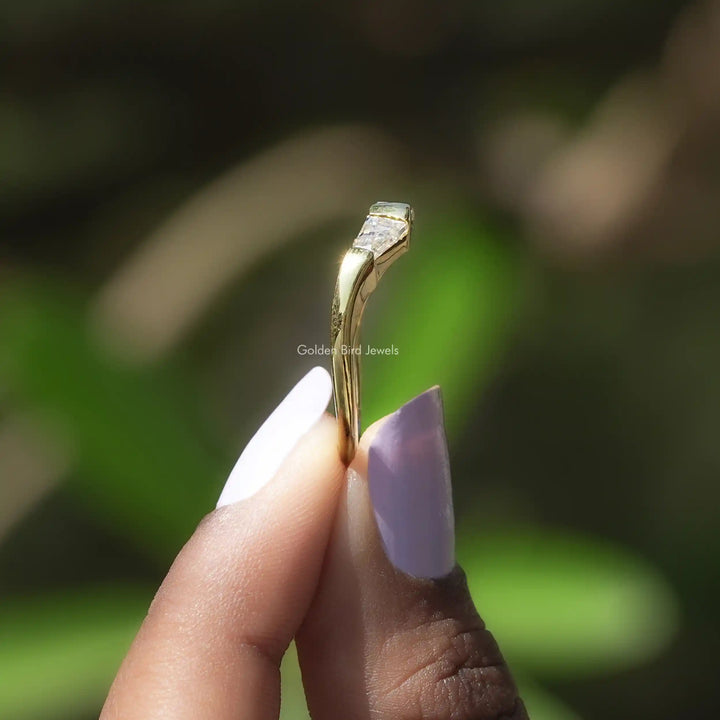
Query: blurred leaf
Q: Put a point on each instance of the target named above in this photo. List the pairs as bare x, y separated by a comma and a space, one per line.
541, 705
293, 705
141, 463
447, 310
59, 654
565, 606
64, 142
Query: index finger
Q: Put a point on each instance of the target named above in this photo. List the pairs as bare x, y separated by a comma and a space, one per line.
214, 636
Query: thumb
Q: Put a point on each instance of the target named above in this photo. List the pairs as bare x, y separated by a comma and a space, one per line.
393, 632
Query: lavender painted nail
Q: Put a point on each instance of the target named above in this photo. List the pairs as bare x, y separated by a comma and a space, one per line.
410, 488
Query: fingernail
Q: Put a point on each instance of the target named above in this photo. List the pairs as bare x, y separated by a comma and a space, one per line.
277, 436
410, 488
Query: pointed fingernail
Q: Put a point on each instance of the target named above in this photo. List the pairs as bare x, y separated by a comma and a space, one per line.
410, 488
274, 441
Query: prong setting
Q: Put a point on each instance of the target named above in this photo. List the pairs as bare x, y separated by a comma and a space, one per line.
386, 233
378, 234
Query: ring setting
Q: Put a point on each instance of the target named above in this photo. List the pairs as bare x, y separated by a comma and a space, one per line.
384, 236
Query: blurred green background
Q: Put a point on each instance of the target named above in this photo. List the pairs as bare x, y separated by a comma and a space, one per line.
178, 182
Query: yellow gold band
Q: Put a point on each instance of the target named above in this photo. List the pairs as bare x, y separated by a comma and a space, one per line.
384, 236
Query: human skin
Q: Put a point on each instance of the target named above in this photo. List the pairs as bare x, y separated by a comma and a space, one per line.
302, 558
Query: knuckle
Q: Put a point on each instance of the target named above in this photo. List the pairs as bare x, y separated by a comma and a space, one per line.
457, 673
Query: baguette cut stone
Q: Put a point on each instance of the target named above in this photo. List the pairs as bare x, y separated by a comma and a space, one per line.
378, 234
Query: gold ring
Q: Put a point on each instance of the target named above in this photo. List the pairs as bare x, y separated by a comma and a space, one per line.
384, 236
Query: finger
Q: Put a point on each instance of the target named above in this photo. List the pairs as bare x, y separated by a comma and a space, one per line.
215, 633
392, 631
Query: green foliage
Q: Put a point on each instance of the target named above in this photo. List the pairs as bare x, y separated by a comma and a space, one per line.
447, 311
59, 653
293, 706
566, 606
540, 704
131, 430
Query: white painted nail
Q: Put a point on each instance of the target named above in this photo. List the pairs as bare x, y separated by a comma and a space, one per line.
277, 436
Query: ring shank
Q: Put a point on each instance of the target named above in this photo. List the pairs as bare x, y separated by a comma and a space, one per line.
356, 280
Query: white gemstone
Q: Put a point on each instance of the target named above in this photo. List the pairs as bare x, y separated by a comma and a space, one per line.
378, 234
